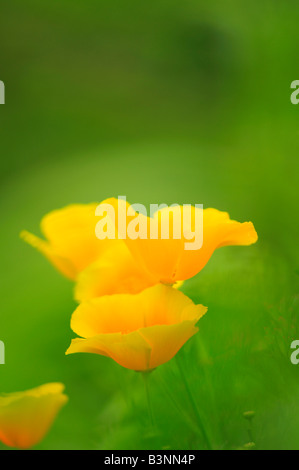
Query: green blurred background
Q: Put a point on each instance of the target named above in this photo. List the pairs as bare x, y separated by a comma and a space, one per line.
161, 101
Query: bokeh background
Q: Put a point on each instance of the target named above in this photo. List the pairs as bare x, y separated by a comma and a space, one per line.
161, 101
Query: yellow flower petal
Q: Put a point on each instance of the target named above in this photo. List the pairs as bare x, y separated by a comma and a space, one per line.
71, 243
64, 265
138, 331
25, 417
168, 259
218, 231
116, 272
130, 351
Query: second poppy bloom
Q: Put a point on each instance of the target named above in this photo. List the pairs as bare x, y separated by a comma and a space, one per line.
139, 332
167, 258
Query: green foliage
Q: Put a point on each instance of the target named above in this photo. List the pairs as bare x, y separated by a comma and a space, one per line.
183, 102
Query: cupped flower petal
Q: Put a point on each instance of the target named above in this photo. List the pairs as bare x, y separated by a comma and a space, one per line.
140, 331
218, 231
25, 417
167, 258
71, 244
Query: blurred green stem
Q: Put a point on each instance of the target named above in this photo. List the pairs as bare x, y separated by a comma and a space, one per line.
179, 408
194, 406
145, 376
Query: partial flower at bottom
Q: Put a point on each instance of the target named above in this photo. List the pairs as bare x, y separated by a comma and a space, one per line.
25, 417
139, 332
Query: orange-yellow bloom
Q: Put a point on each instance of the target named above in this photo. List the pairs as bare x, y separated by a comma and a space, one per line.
127, 265
71, 244
140, 331
167, 259
25, 417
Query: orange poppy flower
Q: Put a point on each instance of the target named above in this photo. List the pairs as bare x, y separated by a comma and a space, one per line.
25, 417
139, 332
73, 247
167, 259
